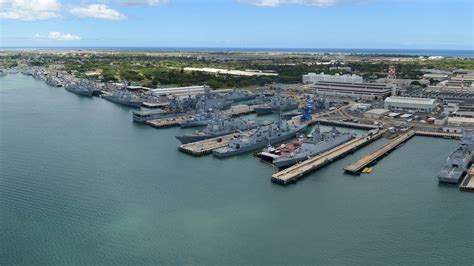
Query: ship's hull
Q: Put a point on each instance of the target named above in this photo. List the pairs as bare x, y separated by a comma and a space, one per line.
255, 146
195, 123
451, 174
135, 104
159, 115
241, 98
194, 138
321, 147
269, 110
83, 93
456, 166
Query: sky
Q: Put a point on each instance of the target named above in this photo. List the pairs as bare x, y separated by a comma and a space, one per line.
379, 24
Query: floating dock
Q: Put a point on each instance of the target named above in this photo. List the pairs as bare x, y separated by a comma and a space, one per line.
445, 135
372, 157
468, 183
296, 171
204, 147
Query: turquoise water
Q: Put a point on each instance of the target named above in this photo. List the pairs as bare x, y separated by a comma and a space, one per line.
81, 184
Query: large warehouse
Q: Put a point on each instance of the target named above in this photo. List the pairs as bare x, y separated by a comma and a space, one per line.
313, 77
367, 91
409, 104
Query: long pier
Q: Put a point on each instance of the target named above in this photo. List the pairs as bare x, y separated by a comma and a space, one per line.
445, 135
296, 171
345, 124
468, 182
370, 158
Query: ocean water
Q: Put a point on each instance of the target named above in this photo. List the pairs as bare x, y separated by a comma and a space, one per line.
81, 184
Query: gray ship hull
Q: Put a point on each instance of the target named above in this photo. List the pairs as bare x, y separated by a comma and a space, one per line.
269, 110
197, 123
320, 148
242, 98
258, 145
194, 138
451, 174
135, 104
80, 92
152, 116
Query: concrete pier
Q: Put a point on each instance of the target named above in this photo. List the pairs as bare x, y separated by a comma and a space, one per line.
296, 171
468, 182
344, 124
438, 134
372, 157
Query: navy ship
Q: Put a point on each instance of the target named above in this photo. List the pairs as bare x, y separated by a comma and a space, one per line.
221, 126
263, 136
278, 103
84, 87
145, 115
199, 120
123, 97
458, 162
240, 95
260, 99
316, 143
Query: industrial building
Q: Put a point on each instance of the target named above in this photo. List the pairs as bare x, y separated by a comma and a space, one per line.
356, 91
313, 78
179, 91
409, 104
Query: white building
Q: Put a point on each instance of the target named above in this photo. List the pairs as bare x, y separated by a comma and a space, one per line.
313, 78
409, 104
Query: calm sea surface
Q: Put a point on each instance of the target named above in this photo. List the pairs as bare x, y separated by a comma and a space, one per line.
81, 184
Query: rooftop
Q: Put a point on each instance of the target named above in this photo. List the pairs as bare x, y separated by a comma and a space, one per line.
412, 100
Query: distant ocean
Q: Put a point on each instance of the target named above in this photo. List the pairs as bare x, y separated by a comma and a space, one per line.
403, 52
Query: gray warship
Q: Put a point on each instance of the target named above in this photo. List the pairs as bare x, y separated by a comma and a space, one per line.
199, 120
221, 126
145, 115
123, 97
260, 99
240, 95
278, 103
316, 143
263, 136
83, 87
458, 162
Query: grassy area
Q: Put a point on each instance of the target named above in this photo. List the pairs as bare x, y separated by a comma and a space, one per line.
154, 71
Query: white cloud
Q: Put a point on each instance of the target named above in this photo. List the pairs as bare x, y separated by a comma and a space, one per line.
143, 2
29, 10
57, 36
97, 11
276, 3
